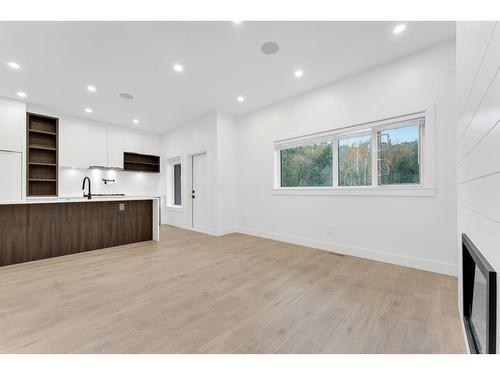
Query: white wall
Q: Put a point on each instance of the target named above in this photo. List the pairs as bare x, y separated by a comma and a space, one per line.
478, 138
227, 173
215, 135
416, 231
413, 231
195, 137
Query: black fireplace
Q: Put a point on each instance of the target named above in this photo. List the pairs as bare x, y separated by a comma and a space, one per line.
479, 298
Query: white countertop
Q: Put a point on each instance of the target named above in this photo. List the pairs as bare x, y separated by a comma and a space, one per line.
76, 199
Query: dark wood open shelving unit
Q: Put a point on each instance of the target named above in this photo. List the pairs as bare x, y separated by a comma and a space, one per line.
49, 164
141, 163
42, 155
40, 147
41, 132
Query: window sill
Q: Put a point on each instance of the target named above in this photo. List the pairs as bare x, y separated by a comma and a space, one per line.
175, 208
389, 191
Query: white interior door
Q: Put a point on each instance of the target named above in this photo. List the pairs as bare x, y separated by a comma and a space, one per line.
199, 192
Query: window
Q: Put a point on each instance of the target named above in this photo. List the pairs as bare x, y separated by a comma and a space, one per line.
307, 166
177, 185
174, 183
355, 161
398, 155
380, 153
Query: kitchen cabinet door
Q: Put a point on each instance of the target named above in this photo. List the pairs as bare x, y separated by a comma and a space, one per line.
98, 146
74, 144
12, 125
133, 142
115, 148
151, 145
11, 169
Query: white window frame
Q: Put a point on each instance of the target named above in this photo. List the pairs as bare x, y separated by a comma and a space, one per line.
392, 120
171, 183
307, 143
358, 133
398, 125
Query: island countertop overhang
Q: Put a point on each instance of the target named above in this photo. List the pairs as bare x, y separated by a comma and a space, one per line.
48, 200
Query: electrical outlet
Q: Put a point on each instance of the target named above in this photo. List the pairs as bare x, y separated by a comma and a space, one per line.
121, 206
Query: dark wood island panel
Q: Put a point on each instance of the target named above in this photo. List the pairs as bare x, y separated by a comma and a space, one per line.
37, 231
120, 229
13, 234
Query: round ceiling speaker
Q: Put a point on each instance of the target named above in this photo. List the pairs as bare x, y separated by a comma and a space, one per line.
270, 48
124, 95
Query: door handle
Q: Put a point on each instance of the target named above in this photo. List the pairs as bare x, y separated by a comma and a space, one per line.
192, 196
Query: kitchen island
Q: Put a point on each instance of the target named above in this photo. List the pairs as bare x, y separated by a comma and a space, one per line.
39, 228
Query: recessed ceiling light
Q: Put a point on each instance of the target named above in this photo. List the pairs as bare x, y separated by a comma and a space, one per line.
14, 65
21, 94
178, 68
135, 121
399, 28
298, 73
237, 22
88, 110
241, 99
91, 88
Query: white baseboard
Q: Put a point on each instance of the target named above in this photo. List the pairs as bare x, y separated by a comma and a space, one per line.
225, 231
401, 260
211, 232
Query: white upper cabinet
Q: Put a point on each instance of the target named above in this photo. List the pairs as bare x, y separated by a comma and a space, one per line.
133, 142
82, 145
115, 148
98, 146
151, 145
12, 125
74, 144
11, 167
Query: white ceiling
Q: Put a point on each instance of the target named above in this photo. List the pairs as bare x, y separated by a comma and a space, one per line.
221, 60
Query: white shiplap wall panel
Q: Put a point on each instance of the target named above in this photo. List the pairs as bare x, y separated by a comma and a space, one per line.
484, 158
478, 145
482, 196
483, 231
486, 116
484, 75
473, 37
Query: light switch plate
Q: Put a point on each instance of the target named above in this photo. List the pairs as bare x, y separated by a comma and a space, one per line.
121, 206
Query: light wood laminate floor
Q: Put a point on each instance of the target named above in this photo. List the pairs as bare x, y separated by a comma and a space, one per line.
193, 293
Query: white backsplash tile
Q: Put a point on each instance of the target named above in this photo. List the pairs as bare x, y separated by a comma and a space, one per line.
128, 183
